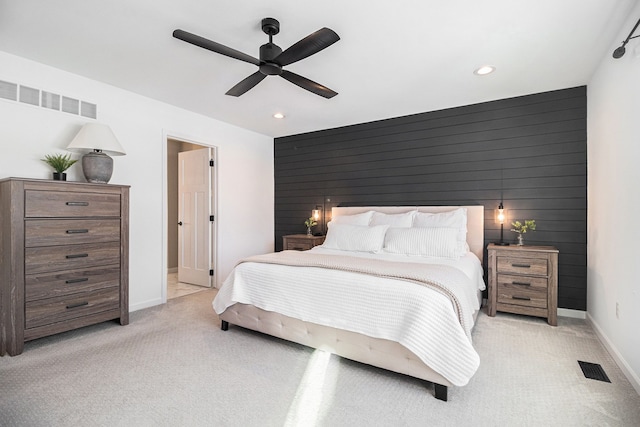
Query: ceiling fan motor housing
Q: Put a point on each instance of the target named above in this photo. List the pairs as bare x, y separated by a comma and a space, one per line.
268, 52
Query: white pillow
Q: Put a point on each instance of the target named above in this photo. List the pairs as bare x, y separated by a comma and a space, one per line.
393, 220
452, 219
355, 237
357, 219
426, 241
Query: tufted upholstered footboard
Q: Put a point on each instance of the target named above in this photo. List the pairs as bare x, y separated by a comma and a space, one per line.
361, 348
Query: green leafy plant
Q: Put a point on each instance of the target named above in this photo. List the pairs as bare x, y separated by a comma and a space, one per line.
529, 224
59, 162
310, 222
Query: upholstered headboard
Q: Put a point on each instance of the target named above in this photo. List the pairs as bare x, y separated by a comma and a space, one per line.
475, 219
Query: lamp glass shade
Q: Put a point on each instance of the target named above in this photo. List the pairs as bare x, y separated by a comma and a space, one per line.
500, 215
315, 214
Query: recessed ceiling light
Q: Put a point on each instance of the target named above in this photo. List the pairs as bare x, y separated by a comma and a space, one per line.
278, 116
484, 70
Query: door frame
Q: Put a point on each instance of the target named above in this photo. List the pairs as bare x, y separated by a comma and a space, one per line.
177, 136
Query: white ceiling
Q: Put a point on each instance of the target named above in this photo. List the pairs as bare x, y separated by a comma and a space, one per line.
393, 59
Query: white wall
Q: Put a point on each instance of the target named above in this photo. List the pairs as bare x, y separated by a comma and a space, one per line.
245, 165
613, 232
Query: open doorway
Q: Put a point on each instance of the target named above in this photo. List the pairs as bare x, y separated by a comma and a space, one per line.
191, 211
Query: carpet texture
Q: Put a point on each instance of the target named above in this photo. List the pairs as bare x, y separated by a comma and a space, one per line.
173, 366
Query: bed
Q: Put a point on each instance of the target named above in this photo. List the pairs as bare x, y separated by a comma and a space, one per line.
398, 288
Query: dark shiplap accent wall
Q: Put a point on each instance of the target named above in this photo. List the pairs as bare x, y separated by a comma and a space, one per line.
529, 151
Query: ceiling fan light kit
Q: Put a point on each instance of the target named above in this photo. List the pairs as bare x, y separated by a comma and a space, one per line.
272, 57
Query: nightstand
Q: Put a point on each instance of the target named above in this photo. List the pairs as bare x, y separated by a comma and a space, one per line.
300, 242
523, 280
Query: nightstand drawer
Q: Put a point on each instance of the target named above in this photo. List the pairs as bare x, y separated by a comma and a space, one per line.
47, 232
522, 290
298, 245
521, 265
56, 204
300, 242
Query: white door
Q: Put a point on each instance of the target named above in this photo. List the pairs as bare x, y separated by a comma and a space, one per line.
195, 217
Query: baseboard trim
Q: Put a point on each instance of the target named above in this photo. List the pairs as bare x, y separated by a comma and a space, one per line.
145, 304
172, 270
615, 354
576, 314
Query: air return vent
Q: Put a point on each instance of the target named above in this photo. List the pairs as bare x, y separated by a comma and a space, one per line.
70, 105
50, 100
45, 99
8, 91
29, 95
89, 110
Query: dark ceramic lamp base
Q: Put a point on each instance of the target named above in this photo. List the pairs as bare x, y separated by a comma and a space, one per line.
97, 167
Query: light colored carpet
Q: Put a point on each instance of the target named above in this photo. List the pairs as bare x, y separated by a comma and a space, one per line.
173, 366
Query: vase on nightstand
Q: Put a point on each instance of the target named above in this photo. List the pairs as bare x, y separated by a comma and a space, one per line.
308, 231
520, 240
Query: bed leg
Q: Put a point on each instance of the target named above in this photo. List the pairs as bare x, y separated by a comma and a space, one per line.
225, 327
441, 392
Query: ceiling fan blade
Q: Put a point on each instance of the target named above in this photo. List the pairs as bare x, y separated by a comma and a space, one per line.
309, 45
246, 84
307, 84
214, 47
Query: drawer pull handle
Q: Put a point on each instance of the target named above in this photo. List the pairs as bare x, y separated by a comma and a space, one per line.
521, 298
78, 304
77, 203
80, 231
521, 265
77, 256
83, 279
521, 283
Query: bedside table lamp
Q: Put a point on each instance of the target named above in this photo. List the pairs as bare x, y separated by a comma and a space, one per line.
501, 216
98, 141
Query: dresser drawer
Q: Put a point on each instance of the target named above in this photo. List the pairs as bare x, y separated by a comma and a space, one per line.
522, 290
55, 204
46, 259
48, 232
64, 308
47, 285
522, 265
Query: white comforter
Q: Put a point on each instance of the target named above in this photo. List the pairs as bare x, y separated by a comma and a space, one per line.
421, 319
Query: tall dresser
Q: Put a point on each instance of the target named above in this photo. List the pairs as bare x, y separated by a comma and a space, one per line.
64, 258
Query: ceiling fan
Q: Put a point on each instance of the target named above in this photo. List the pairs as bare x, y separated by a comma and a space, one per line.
272, 58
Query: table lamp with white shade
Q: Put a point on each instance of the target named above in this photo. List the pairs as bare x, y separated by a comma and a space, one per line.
98, 141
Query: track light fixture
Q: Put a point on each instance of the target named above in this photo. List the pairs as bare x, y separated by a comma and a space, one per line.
619, 52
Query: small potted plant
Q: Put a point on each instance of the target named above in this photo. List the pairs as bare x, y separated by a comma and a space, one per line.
521, 228
310, 223
59, 163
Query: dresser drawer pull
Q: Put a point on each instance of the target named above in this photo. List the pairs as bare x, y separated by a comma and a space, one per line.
521, 283
77, 203
80, 231
76, 305
77, 256
521, 298
521, 265
83, 279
